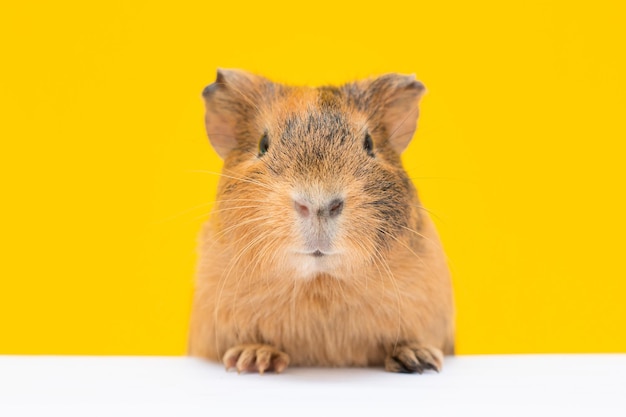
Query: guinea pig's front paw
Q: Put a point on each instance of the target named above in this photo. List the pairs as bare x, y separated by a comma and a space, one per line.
413, 357
256, 358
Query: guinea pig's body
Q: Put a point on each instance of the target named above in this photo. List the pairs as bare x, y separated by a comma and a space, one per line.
318, 252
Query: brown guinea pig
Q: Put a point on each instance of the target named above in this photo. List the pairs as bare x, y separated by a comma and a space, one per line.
318, 252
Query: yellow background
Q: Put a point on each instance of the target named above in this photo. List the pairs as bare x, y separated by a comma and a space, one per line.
520, 154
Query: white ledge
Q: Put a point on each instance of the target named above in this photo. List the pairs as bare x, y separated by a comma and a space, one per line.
494, 385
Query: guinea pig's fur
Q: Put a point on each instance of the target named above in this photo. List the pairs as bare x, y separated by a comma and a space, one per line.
318, 251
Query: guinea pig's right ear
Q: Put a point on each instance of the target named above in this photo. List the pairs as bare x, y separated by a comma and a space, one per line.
394, 101
229, 102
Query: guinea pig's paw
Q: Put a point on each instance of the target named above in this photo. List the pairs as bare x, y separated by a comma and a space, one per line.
413, 357
256, 358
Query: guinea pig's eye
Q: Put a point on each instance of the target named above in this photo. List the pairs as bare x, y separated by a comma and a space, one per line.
368, 145
264, 144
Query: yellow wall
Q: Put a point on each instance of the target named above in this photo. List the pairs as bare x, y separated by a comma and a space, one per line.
520, 154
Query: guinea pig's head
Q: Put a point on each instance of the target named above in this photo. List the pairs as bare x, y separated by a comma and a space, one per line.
312, 180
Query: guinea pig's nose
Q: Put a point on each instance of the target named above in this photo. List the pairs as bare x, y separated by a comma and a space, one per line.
331, 209
302, 207
335, 207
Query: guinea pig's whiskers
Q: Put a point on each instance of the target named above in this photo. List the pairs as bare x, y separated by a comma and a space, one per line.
292, 307
422, 236
236, 243
248, 180
429, 211
226, 276
199, 206
233, 175
212, 212
238, 200
255, 263
233, 229
437, 178
437, 245
358, 242
182, 213
235, 302
421, 260
263, 252
369, 247
385, 264
241, 224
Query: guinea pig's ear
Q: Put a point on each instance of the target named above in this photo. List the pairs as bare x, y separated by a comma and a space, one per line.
229, 102
397, 98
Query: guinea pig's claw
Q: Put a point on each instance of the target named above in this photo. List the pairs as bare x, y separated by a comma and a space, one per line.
414, 358
256, 358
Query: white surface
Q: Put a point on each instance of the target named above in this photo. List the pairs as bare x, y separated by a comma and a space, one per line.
530, 385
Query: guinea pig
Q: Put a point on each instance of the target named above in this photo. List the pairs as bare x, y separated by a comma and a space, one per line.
318, 251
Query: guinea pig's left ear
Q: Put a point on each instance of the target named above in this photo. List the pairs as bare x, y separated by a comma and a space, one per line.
397, 99
231, 102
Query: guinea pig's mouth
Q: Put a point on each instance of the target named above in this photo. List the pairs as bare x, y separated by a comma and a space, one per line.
316, 253
313, 261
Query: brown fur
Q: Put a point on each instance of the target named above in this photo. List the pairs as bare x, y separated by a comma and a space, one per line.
383, 297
